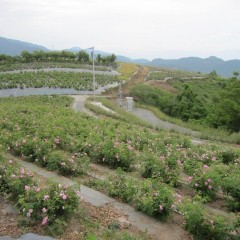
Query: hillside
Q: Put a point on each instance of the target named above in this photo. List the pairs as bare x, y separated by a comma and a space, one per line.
207, 65
14, 47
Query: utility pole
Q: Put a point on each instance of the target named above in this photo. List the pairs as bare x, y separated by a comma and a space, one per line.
94, 82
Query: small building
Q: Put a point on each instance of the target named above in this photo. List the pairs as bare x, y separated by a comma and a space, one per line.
127, 103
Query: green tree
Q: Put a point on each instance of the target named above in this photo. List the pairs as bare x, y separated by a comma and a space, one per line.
226, 113
26, 56
235, 74
83, 56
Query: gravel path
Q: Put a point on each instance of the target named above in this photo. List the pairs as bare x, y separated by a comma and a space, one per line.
149, 116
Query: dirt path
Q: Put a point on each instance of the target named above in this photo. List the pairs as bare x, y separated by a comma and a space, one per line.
157, 229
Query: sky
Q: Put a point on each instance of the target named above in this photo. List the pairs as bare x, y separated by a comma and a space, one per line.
134, 28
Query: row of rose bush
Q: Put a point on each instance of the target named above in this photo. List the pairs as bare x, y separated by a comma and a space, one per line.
159, 200
52, 205
151, 197
54, 79
217, 179
45, 131
38, 65
207, 226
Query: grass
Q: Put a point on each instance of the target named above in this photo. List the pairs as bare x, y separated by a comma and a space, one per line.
126, 70
120, 113
207, 89
206, 132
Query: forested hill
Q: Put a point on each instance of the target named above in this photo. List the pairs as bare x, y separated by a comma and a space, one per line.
195, 64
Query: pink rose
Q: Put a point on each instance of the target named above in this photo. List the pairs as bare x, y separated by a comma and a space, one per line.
45, 220
27, 188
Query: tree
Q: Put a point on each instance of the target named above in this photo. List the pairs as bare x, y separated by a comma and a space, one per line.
26, 56
83, 56
236, 74
226, 113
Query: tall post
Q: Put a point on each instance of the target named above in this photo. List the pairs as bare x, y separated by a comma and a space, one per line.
94, 84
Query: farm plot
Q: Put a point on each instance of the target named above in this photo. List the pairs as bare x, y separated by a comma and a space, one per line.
41, 65
44, 130
162, 74
39, 79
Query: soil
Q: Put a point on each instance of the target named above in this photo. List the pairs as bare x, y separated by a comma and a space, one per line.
162, 85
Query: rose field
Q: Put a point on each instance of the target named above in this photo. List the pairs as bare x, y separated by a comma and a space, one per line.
54, 79
159, 173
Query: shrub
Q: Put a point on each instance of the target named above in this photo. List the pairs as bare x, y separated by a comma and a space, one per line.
207, 180
51, 205
203, 226
166, 170
231, 186
122, 187
154, 199
228, 156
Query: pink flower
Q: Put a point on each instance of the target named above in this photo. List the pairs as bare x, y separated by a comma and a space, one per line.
22, 170
190, 178
64, 196
27, 188
29, 214
45, 220
46, 197
78, 193
209, 187
10, 161
30, 210
37, 189
206, 183
205, 166
160, 207
161, 157
209, 180
196, 184
214, 158
44, 210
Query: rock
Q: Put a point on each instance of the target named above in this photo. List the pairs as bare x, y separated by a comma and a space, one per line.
9, 209
31, 236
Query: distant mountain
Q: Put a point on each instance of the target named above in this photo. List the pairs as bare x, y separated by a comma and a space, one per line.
195, 64
88, 50
15, 47
121, 58
73, 49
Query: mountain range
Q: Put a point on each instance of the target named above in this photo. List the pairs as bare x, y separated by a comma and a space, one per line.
195, 64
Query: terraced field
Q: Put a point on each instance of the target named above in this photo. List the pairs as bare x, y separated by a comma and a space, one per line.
160, 173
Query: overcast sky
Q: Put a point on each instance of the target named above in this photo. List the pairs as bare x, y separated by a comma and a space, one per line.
134, 28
